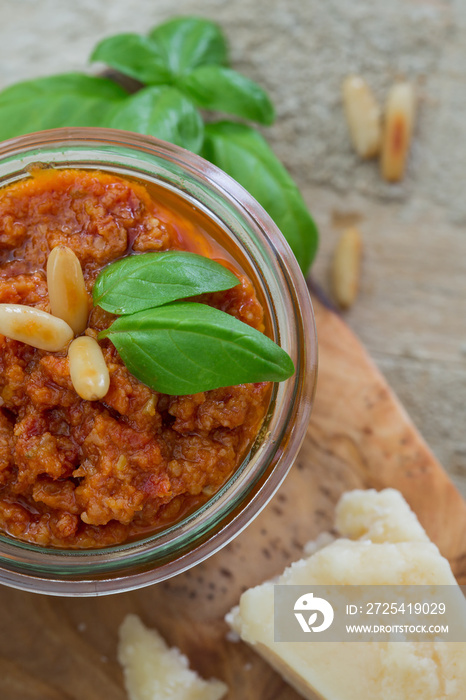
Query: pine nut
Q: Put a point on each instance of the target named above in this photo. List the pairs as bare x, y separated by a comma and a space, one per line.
363, 115
67, 292
398, 127
346, 267
91, 332
34, 327
88, 370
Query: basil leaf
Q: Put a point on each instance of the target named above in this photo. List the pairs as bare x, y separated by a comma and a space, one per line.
134, 55
145, 281
71, 99
184, 348
245, 155
162, 112
225, 90
189, 42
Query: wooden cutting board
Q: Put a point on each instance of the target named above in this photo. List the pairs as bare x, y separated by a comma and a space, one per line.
359, 437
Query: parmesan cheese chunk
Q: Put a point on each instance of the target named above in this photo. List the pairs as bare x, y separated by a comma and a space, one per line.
153, 671
382, 516
392, 549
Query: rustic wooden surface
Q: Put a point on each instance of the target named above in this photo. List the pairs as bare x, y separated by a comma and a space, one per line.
411, 310
359, 436
410, 314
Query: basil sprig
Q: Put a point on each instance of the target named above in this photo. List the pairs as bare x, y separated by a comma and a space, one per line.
71, 99
184, 64
182, 347
185, 348
244, 154
162, 111
140, 282
172, 49
225, 90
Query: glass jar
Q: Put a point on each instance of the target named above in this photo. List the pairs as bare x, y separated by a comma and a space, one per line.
282, 289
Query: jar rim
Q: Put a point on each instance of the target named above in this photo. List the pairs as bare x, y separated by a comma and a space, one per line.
166, 553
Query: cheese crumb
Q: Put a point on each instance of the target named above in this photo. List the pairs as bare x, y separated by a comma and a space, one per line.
391, 549
153, 671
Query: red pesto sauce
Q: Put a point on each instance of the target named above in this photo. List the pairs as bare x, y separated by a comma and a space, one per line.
81, 474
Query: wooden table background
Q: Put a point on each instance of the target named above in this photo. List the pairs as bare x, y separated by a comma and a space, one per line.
411, 312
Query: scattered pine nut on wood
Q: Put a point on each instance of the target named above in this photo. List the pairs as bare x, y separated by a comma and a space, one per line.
397, 132
67, 292
34, 327
363, 115
88, 370
346, 267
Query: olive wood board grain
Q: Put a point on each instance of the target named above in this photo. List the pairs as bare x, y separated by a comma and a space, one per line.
359, 437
